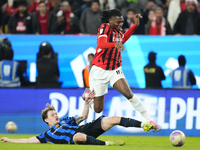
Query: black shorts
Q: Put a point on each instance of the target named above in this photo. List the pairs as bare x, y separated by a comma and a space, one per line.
93, 128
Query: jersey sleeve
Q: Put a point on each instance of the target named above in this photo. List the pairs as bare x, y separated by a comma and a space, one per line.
70, 120
102, 37
103, 30
42, 138
102, 43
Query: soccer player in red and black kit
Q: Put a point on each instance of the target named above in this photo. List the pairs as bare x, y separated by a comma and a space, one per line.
107, 63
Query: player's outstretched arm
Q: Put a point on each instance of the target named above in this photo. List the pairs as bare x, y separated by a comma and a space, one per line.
30, 140
137, 19
88, 98
130, 31
85, 112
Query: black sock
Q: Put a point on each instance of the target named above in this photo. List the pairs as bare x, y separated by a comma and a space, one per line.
92, 141
128, 122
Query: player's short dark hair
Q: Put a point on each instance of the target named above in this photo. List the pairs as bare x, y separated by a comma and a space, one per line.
91, 54
107, 14
42, 1
181, 60
46, 110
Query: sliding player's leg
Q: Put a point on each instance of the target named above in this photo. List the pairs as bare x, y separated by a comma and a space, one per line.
88, 133
80, 138
122, 86
109, 122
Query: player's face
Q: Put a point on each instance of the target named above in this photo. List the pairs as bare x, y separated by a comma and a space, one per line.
52, 118
116, 22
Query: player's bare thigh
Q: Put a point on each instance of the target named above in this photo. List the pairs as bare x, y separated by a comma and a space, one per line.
109, 122
99, 104
122, 86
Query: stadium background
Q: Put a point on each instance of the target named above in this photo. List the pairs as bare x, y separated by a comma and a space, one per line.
73, 50
174, 109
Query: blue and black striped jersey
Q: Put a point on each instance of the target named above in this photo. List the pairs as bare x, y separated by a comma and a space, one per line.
61, 133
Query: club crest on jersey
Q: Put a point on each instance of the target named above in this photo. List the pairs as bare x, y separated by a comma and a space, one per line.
101, 31
117, 40
58, 125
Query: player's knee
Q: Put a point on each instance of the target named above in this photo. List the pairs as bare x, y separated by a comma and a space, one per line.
79, 138
129, 95
98, 109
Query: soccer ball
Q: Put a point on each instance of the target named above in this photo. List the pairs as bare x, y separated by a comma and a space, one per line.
11, 127
86, 93
177, 138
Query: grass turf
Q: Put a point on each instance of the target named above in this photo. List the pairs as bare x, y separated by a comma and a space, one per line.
132, 142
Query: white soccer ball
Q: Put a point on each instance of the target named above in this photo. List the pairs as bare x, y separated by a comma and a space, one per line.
86, 93
177, 138
11, 127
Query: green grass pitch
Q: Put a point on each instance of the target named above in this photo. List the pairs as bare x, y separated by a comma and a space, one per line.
132, 143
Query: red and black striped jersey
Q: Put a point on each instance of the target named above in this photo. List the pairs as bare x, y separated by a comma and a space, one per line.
108, 58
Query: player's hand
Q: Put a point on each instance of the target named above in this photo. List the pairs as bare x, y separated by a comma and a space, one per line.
120, 47
137, 19
89, 96
5, 139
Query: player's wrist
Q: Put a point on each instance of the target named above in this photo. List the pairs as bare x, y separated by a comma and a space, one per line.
86, 103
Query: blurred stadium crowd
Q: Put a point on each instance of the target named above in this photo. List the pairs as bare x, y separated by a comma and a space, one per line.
160, 17
44, 17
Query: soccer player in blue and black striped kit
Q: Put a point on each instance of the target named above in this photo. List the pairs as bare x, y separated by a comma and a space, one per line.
68, 131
